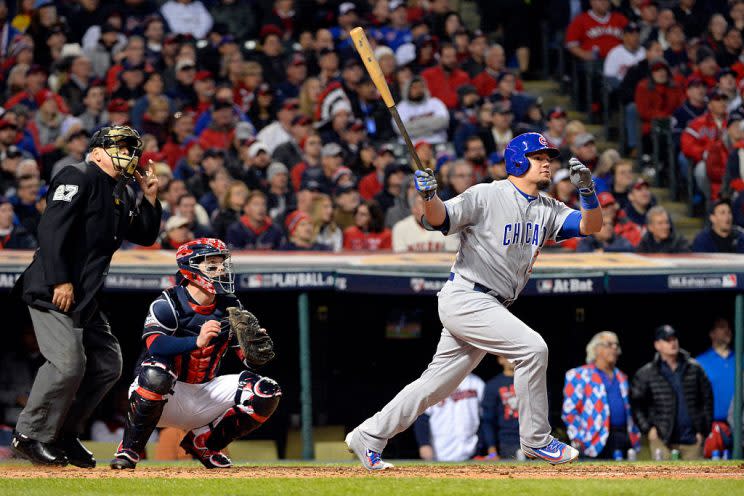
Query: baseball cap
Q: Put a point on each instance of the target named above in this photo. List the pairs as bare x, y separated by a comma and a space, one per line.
351, 62
214, 152
657, 64
185, 64
717, 94
346, 7
395, 4
735, 116
244, 130
725, 71
584, 139
268, 30
341, 190
355, 125
648, 3
502, 107
556, 113
276, 168
383, 50
118, 105
107, 27
265, 89
331, 150
203, 76
695, 81
704, 53
298, 59
640, 183
291, 104
606, 199
664, 332
310, 185
12, 151
301, 120
293, 220
632, 27
5, 124
386, 148
561, 175
257, 148
175, 222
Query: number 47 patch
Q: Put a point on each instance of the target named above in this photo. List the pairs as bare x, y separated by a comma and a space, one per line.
65, 192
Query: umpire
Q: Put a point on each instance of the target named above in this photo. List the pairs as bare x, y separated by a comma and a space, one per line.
90, 211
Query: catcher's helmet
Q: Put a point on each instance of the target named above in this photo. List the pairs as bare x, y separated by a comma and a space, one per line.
522, 146
211, 277
113, 140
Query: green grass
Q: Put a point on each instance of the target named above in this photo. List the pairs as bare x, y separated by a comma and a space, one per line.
368, 486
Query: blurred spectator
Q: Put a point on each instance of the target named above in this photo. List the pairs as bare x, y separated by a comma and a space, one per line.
218, 184
12, 236
371, 184
415, 104
475, 155
487, 80
279, 196
20, 362
717, 27
301, 234
346, 200
239, 18
722, 236
460, 177
213, 160
556, 126
409, 235
79, 79
444, 79
368, 232
596, 402
623, 56
176, 233
393, 181
603, 171
639, 201
707, 67
563, 189
658, 96
627, 90
448, 431
606, 240
499, 423
187, 17
672, 399
660, 236
186, 208
501, 131
153, 89
326, 231
718, 363
475, 63
592, 34
76, 145
675, 53
277, 132
290, 153
231, 208
585, 149
263, 109
312, 147
690, 13
95, 113
255, 230
25, 203
155, 120
255, 166
693, 107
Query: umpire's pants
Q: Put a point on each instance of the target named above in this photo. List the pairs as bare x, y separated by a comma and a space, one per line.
82, 363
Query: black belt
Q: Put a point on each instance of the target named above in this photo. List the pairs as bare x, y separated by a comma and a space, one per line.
484, 289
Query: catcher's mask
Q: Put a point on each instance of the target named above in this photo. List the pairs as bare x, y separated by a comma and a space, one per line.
123, 144
197, 263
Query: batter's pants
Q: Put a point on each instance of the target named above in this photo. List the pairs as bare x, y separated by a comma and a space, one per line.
81, 366
474, 324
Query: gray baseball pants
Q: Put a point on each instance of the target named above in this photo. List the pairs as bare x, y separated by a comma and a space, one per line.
474, 324
81, 366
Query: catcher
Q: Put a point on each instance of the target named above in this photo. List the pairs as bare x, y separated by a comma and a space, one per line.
188, 330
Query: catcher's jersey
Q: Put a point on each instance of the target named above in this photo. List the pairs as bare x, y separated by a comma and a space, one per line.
502, 231
175, 313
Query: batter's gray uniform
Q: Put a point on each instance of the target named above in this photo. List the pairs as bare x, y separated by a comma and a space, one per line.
501, 233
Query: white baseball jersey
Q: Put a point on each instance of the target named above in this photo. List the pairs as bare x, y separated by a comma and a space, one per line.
410, 236
454, 421
502, 231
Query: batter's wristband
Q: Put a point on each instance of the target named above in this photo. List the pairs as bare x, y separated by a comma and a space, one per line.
589, 201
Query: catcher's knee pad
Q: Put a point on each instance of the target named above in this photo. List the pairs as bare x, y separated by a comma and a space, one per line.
146, 404
256, 399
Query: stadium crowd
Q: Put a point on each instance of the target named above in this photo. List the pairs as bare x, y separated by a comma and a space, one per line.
266, 131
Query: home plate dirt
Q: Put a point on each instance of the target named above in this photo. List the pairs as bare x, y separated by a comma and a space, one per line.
491, 471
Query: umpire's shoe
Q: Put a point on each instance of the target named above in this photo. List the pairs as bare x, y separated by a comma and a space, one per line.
37, 452
124, 459
555, 453
77, 454
372, 460
196, 446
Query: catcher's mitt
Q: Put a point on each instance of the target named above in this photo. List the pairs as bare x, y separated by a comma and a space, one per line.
256, 345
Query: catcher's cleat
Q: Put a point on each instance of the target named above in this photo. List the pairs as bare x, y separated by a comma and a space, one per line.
371, 460
196, 446
124, 459
555, 453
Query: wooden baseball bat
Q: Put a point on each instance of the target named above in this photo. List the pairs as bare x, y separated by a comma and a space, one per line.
375, 73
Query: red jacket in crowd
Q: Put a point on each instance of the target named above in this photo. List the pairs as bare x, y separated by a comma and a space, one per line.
369, 186
699, 135
710, 81
444, 85
587, 31
356, 239
657, 101
215, 138
486, 82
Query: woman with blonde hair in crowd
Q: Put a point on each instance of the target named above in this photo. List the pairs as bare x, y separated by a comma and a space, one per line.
573, 129
309, 93
231, 208
326, 230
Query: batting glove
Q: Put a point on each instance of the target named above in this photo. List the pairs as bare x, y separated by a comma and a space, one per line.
581, 176
426, 183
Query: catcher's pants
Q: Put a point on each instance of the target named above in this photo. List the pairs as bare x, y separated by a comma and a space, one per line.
474, 324
195, 405
81, 366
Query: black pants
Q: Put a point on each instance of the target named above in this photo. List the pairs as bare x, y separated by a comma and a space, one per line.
617, 440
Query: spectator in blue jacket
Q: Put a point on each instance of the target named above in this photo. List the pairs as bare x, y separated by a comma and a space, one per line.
254, 230
718, 364
499, 416
722, 236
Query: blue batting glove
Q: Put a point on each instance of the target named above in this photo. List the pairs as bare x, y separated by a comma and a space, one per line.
426, 183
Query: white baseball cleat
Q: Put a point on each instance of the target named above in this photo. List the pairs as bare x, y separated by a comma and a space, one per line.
371, 460
554, 453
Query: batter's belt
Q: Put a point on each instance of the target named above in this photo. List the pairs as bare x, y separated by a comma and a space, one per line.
481, 288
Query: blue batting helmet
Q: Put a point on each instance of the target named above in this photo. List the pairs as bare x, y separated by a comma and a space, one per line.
523, 145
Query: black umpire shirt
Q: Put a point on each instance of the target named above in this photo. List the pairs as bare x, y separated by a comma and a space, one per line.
79, 232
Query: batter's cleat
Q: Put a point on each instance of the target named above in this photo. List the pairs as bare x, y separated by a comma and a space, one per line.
555, 453
124, 459
37, 452
371, 460
196, 446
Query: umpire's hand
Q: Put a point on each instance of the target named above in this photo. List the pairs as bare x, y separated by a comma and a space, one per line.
63, 296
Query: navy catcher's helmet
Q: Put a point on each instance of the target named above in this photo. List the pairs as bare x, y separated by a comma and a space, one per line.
523, 145
216, 278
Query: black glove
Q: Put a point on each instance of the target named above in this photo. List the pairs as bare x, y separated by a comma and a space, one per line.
256, 345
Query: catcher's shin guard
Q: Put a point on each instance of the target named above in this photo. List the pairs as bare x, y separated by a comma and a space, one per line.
256, 399
146, 405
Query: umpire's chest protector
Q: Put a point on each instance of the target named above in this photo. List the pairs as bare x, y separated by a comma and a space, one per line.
81, 228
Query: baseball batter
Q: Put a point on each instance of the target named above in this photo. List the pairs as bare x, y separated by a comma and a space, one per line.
502, 227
